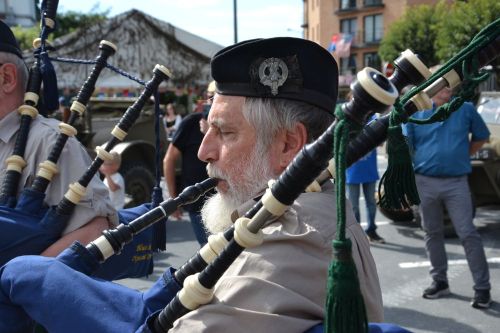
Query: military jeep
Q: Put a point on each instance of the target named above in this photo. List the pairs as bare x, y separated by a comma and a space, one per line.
137, 150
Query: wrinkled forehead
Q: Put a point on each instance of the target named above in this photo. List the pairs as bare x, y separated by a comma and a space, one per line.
226, 108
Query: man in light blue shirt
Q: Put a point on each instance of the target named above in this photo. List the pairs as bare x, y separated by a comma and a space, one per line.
441, 158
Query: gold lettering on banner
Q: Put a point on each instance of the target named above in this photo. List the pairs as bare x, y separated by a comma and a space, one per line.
144, 257
143, 247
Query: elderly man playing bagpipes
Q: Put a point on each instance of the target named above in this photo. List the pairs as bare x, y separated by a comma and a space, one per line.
95, 213
50, 195
273, 97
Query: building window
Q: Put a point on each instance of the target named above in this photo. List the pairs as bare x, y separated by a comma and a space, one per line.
372, 2
347, 4
372, 60
374, 28
349, 26
348, 65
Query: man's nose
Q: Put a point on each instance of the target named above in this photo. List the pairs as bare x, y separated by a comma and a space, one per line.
208, 148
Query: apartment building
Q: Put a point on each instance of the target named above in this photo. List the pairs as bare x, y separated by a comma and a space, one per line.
364, 21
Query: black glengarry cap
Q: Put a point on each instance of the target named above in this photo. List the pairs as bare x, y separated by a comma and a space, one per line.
8, 42
281, 67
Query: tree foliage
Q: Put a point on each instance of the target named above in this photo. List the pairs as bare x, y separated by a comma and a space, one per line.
66, 22
438, 32
462, 23
25, 36
70, 21
415, 30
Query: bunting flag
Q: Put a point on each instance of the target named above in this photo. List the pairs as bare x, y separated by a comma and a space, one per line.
340, 44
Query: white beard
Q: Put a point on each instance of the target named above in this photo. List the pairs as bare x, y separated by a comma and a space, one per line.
253, 173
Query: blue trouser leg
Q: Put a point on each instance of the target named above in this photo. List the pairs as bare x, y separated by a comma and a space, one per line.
353, 196
63, 300
371, 205
198, 228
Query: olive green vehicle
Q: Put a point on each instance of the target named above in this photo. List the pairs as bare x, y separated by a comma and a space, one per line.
484, 180
137, 151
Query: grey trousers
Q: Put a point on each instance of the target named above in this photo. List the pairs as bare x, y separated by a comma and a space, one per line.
454, 193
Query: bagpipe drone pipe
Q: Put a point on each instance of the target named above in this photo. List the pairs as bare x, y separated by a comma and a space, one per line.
28, 225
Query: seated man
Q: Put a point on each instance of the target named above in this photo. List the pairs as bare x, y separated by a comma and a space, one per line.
90, 217
273, 96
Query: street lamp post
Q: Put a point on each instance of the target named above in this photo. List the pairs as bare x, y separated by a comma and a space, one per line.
235, 22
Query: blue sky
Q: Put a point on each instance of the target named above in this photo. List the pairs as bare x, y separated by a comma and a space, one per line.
211, 19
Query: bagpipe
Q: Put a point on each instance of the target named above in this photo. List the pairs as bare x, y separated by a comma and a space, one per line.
29, 226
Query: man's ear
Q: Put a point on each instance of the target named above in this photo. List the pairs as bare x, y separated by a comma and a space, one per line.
8, 77
294, 140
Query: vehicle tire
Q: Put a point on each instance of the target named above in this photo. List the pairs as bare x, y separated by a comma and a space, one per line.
139, 183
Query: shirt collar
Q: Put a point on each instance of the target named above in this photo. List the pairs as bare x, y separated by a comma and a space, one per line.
9, 125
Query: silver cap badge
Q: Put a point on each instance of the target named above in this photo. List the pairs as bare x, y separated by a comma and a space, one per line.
273, 72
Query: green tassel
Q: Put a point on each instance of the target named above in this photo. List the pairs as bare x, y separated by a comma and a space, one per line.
397, 188
345, 308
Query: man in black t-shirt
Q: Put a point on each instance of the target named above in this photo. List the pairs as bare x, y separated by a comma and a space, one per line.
185, 144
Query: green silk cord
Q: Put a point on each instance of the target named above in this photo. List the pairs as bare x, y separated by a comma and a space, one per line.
345, 308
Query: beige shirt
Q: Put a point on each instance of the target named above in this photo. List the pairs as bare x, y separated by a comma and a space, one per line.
72, 165
280, 286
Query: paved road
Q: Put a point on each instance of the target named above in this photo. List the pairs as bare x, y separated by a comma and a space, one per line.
403, 272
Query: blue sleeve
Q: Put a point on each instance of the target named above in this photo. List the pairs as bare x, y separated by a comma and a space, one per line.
64, 300
478, 128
